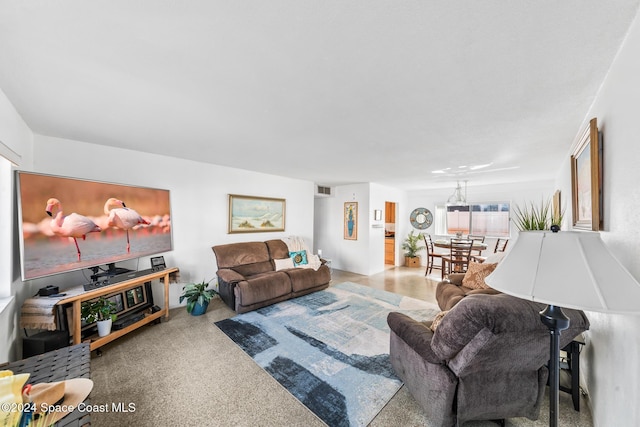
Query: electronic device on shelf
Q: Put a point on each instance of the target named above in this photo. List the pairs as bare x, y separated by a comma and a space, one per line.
120, 278
131, 275
95, 285
48, 290
157, 263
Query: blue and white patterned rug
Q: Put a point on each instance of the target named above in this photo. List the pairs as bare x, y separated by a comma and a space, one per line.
330, 349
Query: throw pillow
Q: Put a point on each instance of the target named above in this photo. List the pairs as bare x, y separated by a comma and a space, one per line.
299, 257
436, 320
282, 264
474, 277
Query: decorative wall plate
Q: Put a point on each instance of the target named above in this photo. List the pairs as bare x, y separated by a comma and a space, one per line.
421, 218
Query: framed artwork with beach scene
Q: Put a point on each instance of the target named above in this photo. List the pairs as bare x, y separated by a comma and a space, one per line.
249, 214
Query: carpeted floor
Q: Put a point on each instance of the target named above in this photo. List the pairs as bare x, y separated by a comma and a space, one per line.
186, 371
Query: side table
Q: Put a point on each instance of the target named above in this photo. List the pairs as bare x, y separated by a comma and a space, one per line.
58, 365
571, 365
327, 262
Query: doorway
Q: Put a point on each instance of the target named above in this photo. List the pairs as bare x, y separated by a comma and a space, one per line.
389, 233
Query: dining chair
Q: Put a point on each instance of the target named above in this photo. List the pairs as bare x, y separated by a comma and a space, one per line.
501, 246
476, 238
459, 257
431, 255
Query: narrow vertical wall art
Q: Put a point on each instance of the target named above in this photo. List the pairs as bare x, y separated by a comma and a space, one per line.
351, 220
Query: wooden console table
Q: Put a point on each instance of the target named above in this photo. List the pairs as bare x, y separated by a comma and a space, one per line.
78, 296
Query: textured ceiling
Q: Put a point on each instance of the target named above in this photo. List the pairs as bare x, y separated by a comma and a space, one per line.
328, 91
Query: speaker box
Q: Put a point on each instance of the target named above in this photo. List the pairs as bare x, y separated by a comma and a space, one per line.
43, 342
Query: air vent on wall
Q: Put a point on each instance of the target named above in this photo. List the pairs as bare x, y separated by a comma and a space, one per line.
323, 191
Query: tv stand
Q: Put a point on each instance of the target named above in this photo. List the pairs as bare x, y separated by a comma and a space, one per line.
77, 297
111, 271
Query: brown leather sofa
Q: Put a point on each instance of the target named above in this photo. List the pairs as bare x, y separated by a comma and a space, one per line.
485, 361
450, 291
247, 276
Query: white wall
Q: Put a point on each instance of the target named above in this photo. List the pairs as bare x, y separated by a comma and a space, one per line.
344, 254
366, 254
610, 362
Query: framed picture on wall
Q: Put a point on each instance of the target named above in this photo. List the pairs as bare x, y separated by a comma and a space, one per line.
351, 220
249, 214
556, 206
586, 180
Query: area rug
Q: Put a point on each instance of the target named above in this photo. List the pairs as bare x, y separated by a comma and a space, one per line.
330, 349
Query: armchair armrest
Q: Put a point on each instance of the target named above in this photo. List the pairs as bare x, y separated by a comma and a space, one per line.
456, 278
416, 334
229, 276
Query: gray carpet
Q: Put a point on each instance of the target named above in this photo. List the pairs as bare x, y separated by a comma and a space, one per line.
186, 371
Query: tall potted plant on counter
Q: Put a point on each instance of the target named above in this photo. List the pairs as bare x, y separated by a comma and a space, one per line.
198, 297
101, 311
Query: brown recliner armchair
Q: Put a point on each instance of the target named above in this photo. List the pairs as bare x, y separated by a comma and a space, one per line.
485, 361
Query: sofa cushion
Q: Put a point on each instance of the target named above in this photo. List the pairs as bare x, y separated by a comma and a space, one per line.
476, 273
256, 268
278, 249
299, 258
448, 295
307, 278
283, 264
262, 287
235, 254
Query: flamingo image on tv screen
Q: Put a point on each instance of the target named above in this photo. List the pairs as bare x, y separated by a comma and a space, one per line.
68, 224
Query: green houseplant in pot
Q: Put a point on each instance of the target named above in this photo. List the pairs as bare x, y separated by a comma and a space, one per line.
537, 217
198, 297
101, 311
411, 249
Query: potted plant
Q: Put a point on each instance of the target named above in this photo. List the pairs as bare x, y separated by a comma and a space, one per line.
533, 217
101, 311
198, 297
411, 248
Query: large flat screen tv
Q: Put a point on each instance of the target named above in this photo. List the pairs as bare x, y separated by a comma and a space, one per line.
69, 224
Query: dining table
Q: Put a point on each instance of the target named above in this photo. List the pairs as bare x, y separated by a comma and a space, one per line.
446, 244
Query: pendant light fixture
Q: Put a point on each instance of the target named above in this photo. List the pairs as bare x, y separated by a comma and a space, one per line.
457, 198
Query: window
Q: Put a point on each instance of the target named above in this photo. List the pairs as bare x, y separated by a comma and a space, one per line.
486, 219
6, 223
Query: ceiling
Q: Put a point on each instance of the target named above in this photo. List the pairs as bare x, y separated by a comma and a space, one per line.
331, 91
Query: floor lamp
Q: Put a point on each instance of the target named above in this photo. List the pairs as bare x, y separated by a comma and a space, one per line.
571, 269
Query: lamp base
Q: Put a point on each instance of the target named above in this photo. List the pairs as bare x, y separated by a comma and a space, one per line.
554, 319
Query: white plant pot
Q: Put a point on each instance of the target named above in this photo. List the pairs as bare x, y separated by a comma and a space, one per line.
104, 327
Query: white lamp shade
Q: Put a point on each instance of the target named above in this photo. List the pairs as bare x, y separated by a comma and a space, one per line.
568, 269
